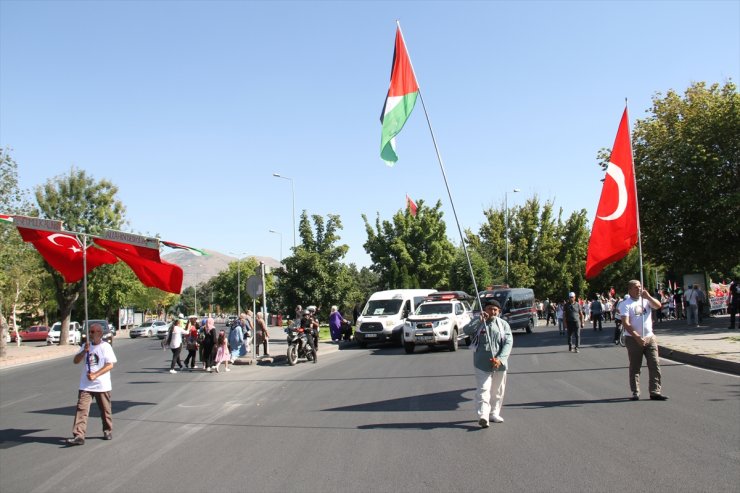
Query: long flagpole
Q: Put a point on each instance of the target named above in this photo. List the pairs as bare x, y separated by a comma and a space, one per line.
444, 175
637, 213
84, 285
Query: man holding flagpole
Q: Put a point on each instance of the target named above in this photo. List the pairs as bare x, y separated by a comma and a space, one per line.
640, 341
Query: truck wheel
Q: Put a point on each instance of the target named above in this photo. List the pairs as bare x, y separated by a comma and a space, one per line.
530, 326
408, 347
452, 346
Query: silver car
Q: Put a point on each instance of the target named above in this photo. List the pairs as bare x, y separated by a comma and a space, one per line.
147, 329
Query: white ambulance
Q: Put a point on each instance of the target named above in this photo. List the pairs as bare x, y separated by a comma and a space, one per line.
384, 314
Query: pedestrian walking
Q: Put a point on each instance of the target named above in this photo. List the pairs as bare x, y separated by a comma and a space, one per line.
209, 344
573, 317
222, 351
236, 337
95, 383
559, 316
636, 310
733, 302
173, 341
191, 345
596, 313
492, 341
691, 297
335, 324
262, 336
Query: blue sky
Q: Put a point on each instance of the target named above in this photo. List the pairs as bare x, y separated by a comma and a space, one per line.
190, 107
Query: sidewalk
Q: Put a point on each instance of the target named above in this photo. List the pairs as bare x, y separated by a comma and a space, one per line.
711, 345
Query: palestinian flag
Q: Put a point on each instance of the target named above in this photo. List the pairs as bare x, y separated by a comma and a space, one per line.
400, 100
4, 218
194, 251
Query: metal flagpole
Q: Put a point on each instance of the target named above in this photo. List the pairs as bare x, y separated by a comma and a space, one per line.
84, 284
637, 213
444, 175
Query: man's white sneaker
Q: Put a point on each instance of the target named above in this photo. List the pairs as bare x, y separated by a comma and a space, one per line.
173, 371
497, 419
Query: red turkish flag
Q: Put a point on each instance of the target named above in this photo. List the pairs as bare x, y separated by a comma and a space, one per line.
146, 264
63, 252
615, 227
411, 205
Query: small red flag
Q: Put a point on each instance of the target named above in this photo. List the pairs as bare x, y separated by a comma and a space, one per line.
615, 228
146, 264
411, 205
63, 252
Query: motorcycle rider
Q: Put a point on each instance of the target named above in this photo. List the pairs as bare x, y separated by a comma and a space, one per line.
311, 325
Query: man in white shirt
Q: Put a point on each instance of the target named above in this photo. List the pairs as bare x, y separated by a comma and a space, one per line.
635, 310
692, 296
95, 383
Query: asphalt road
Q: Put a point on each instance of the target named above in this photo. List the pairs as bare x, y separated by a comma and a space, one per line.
375, 420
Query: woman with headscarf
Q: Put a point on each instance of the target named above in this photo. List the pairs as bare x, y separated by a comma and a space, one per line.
191, 344
209, 335
335, 324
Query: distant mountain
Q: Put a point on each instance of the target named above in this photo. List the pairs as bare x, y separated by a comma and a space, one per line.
201, 269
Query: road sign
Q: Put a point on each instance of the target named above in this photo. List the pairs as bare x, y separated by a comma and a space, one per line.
254, 286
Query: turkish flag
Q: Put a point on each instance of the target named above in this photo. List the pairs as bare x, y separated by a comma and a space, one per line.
63, 251
146, 264
411, 205
615, 227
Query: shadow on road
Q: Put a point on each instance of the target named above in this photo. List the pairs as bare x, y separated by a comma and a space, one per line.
118, 406
570, 403
438, 401
464, 425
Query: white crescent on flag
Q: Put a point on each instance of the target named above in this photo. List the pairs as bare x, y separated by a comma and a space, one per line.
618, 176
76, 247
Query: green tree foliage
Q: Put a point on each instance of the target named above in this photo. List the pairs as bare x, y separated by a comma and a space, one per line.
411, 252
116, 286
22, 279
544, 253
85, 206
314, 274
232, 282
687, 163
460, 271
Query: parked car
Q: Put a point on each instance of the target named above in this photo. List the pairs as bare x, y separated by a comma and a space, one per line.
147, 329
55, 333
162, 330
32, 333
109, 331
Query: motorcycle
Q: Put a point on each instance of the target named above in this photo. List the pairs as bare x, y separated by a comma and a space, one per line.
299, 346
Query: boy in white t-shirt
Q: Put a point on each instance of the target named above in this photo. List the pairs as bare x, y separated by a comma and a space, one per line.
95, 383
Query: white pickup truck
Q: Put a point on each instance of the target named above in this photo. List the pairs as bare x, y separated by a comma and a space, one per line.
438, 321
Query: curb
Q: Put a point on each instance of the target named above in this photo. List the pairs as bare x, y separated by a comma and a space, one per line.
707, 362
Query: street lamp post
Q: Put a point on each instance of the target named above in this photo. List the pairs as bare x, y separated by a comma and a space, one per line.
506, 219
292, 191
238, 281
281, 243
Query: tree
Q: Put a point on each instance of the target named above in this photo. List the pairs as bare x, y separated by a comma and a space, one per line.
21, 276
85, 206
687, 165
411, 251
314, 274
460, 271
117, 287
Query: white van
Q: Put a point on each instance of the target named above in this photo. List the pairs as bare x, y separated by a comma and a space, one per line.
385, 313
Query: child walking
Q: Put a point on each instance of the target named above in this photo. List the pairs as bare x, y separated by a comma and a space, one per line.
222, 353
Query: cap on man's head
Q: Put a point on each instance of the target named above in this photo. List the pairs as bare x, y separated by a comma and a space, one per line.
492, 303
571, 295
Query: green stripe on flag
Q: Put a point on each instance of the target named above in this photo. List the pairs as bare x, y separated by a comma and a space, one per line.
393, 122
